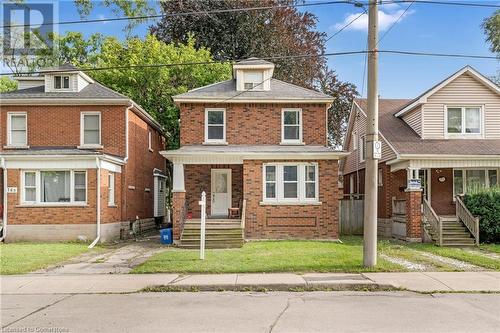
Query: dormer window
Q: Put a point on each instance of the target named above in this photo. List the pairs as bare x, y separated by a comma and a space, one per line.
464, 121
61, 82
253, 80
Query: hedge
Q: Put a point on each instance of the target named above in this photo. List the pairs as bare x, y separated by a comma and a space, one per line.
486, 205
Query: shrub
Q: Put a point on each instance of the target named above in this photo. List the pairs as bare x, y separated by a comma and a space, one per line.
486, 205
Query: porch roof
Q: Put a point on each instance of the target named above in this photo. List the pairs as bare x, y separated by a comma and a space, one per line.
235, 154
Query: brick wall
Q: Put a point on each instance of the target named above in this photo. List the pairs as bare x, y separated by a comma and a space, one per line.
252, 123
59, 126
413, 216
291, 221
442, 193
198, 179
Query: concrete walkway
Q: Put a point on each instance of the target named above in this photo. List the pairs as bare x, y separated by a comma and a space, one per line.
126, 283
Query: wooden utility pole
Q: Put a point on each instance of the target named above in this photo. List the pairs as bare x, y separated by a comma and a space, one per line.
372, 145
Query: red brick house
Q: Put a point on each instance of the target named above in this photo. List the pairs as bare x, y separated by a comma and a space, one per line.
257, 144
77, 160
435, 148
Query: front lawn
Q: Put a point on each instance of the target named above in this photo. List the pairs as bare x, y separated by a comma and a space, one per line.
19, 258
491, 247
268, 256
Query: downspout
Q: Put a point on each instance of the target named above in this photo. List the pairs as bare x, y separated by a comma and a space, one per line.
98, 203
4, 229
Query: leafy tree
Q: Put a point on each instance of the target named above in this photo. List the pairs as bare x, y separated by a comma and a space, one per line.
7, 84
491, 26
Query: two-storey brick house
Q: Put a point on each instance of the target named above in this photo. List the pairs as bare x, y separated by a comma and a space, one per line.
78, 159
448, 138
258, 144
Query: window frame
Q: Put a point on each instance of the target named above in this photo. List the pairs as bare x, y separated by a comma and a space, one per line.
463, 133
354, 137
224, 126
111, 189
291, 141
38, 188
150, 141
9, 129
362, 148
62, 82
255, 85
464, 178
301, 184
82, 129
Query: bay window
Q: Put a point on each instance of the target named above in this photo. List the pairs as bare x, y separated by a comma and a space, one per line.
215, 125
291, 126
290, 183
54, 187
472, 180
464, 120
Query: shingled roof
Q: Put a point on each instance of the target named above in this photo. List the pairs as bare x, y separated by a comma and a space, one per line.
406, 141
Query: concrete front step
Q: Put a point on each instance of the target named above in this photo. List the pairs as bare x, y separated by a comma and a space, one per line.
212, 244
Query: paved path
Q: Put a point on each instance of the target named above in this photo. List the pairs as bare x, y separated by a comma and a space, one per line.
124, 283
252, 312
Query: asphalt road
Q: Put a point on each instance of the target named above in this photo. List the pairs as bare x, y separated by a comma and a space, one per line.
252, 312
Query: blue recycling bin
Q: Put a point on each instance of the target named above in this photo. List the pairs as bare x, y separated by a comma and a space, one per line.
166, 236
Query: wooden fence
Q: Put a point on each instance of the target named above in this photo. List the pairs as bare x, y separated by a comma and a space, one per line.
351, 216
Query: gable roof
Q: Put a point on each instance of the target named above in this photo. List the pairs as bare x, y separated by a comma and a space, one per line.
423, 97
406, 141
226, 92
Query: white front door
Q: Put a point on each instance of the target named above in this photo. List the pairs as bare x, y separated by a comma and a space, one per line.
221, 191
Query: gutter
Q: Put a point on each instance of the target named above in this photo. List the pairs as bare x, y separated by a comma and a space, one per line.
98, 204
4, 229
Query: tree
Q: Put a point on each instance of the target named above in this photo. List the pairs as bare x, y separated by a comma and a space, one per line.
258, 33
338, 114
491, 27
153, 87
7, 84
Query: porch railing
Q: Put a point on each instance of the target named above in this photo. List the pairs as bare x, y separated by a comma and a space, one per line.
434, 221
471, 222
398, 206
183, 216
243, 213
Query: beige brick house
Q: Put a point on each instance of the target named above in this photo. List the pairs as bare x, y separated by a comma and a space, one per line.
77, 159
258, 146
435, 148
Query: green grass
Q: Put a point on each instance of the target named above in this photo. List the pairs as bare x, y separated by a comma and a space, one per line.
268, 256
19, 258
491, 247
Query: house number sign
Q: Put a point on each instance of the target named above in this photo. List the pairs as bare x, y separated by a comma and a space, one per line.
11, 189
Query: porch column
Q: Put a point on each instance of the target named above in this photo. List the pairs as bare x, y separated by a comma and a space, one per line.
178, 200
413, 207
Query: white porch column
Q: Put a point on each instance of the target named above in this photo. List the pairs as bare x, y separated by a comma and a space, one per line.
178, 181
412, 173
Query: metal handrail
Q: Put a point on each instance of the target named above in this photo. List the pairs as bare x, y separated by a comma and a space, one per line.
464, 215
434, 220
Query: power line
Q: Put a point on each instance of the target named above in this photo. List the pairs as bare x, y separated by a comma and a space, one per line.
347, 25
447, 3
215, 11
395, 22
299, 56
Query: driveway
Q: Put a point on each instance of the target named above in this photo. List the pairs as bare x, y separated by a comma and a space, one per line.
115, 259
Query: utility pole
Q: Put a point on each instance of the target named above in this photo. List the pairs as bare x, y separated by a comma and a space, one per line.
371, 168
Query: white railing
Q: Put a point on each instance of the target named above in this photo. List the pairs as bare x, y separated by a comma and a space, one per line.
203, 216
464, 215
434, 221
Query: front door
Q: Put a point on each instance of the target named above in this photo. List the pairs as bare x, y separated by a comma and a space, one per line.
221, 191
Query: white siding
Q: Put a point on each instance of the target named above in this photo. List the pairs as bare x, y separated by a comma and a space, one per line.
414, 120
464, 90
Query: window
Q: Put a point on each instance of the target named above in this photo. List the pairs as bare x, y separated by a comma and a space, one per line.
351, 184
150, 143
464, 120
380, 179
215, 125
61, 82
91, 129
354, 141
291, 129
111, 189
59, 187
362, 149
467, 181
253, 80
290, 183
17, 130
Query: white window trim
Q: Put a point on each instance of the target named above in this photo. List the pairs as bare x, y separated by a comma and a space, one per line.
111, 189
62, 83
38, 184
351, 184
462, 135
82, 130
464, 178
380, 176
9, 132
255, 85
354, 141
362, 148
150, 141
289, 141
215, 141
301, 187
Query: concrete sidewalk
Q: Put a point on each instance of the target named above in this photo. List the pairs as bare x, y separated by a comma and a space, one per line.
126, 283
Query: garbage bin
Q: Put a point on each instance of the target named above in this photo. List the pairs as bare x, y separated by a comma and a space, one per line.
166, 236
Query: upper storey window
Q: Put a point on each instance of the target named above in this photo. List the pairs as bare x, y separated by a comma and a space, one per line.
253, 80
291, 126
91, 129
215, 125
61, 82
464, 121
17, 129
